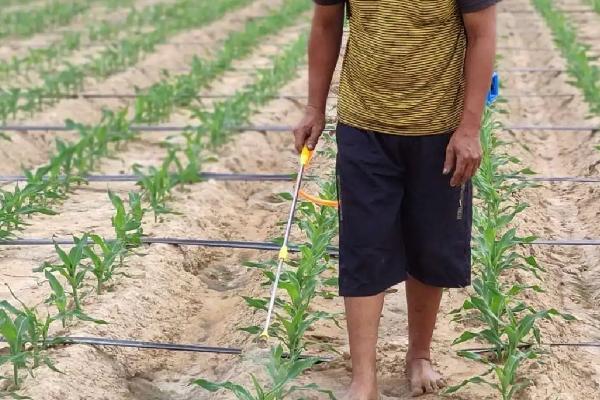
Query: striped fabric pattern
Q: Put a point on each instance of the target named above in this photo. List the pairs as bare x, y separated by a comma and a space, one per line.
403, 69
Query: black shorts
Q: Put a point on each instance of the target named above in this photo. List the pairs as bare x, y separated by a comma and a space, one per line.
399, 216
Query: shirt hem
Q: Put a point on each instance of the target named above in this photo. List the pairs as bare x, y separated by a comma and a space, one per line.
394, 130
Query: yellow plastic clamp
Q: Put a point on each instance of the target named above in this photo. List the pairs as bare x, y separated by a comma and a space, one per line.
264, 336
283, 253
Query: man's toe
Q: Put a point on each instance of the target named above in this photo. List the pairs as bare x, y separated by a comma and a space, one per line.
430, 386
417, 390
441, 383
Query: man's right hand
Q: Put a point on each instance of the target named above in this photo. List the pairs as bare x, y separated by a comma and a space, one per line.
308, 131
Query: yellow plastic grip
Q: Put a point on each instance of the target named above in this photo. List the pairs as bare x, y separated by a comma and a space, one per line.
283, 253
305, 156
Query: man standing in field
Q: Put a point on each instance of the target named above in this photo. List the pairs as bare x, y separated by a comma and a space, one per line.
413, 88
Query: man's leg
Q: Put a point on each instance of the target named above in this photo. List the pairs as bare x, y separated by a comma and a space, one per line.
437, 237
362, 316
423, 303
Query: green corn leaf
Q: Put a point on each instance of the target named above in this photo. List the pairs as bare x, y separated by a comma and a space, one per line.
259, 304
239, 391
253, 330
470, 355
465, 337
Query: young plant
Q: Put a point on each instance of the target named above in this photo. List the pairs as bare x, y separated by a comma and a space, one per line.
105, 261
71, 268
281, 372
128, 224
157, 184
27, 336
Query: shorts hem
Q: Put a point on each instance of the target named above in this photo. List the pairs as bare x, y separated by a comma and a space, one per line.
372, 290
439, 284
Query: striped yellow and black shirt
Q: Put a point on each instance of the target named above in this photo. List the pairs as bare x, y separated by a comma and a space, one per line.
403, 72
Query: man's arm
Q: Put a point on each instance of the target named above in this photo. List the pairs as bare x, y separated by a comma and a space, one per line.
323, 52
464, 151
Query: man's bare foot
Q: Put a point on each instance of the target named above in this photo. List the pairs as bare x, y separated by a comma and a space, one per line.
362, 392
422, 377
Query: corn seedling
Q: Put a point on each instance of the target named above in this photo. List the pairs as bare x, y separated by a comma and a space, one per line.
156, 185
281, 372
73, 269
15, 206
104, 261
27, 336
128, 224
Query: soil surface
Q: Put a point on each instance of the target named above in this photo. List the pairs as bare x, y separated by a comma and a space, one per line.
193, 295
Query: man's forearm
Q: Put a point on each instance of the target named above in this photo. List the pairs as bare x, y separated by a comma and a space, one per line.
323, 53
479, 67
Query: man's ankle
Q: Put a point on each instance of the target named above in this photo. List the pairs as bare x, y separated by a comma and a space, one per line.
418, 354
367, 380
364, 388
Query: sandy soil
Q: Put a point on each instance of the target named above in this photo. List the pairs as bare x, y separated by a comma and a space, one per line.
193, 295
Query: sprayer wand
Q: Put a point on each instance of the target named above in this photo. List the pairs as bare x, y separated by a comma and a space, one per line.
305, 156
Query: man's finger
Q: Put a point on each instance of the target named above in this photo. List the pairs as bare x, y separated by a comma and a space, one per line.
459, 171
300, 135
469, 172
311, 143
450, 160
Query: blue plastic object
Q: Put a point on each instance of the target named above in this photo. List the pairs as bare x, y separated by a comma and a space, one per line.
494, 89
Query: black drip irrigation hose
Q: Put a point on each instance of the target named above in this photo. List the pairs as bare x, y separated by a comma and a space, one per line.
566, 242
227, 244
289, 96
568, 11
265, 246
139, 344
146, 345
554, 128
525, 346
558, 179
58, 341
233, 177
281, 128
203, 175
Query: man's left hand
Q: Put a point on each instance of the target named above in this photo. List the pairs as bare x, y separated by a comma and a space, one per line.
463, 155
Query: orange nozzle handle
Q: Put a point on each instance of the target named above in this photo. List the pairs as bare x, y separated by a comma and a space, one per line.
319, 201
